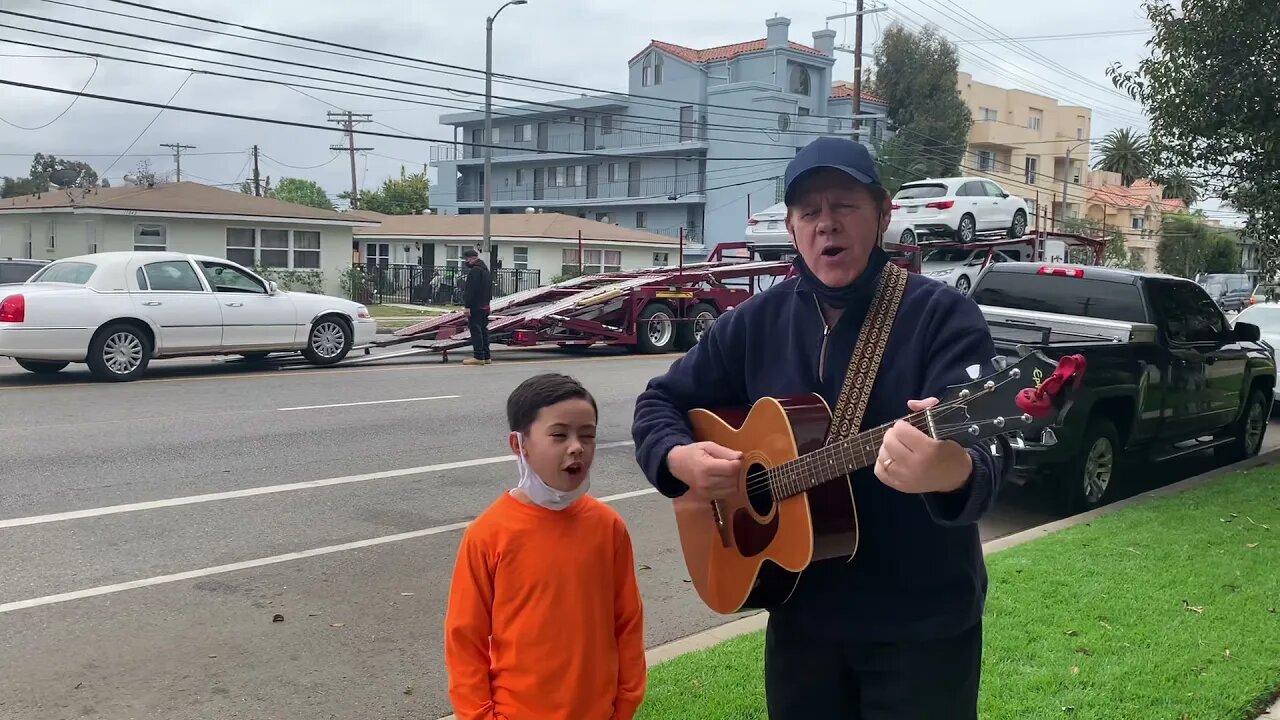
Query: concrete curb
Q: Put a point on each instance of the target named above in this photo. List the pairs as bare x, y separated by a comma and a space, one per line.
757, 621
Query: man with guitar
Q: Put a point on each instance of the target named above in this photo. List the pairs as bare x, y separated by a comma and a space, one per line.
893, 629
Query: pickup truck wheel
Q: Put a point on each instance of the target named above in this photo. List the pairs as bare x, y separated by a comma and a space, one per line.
1247, 432
41, 367
1092, 477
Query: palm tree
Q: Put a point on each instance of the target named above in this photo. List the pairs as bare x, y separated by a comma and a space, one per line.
1177, 186
1126, 153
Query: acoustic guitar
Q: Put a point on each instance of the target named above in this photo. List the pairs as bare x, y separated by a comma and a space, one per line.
795, 503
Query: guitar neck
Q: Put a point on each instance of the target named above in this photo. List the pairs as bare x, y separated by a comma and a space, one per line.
836, 460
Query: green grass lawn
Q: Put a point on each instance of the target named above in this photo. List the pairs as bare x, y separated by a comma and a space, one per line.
1167, 610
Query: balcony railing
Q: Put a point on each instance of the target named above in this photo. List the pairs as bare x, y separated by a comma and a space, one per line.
619, 190
622, 139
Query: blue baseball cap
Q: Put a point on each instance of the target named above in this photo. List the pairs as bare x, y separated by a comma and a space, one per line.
831, 152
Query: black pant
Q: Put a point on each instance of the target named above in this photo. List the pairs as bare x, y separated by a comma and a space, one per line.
478, 324
811, 677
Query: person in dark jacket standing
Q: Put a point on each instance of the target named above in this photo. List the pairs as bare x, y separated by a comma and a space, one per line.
476, 296
895, 632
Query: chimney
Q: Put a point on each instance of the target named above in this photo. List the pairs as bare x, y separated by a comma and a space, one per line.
777, 31
824, 41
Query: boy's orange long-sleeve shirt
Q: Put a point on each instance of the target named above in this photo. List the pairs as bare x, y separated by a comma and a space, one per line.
545, 620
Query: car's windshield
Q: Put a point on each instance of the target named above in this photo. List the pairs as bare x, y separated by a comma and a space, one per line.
72, 273
948, 255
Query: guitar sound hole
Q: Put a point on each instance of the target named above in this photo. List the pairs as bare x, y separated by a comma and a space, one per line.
759, 493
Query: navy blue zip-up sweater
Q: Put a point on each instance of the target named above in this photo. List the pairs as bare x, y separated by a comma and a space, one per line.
918, 572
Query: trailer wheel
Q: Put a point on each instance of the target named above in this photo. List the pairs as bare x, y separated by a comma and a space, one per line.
696, 322
655, 330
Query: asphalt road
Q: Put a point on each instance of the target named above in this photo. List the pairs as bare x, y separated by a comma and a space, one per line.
153, 530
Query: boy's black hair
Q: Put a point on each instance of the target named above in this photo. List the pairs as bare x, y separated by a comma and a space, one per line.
539, 391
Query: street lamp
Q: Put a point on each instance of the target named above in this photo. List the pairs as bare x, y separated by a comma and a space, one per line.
488, 120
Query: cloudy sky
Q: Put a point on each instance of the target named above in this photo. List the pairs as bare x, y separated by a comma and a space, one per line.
571, 41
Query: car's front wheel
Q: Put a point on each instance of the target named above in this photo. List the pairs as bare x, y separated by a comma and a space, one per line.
967, 229
119, 352
328, 342
963, 284
1019, 226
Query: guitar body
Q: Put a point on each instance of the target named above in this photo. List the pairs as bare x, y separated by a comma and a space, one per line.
748, 550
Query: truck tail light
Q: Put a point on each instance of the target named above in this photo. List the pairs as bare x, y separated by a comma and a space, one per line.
524, 337
13, 309
1064, 271
942, 204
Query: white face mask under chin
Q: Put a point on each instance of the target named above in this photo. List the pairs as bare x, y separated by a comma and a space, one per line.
538, 492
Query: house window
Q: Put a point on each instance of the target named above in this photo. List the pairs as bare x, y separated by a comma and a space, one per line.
91, 238
1035, 119
642, 220
1033, 165
988, 114
276, 248
242, 246
453, 255
612, 260
1138, 222
661, 259
569, 261
555, 177
519, 176
150, 238
524, 133
577, 175
495, 135
306, 249
615, 172
799, 80
606, 125
986, 160
520, 258
651, 70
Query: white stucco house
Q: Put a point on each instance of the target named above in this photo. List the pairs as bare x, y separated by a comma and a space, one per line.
286, 239
547, 242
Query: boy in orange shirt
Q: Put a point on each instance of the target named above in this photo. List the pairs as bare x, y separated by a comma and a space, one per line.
545, 620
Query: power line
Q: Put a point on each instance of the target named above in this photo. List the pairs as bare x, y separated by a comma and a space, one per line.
177, 155
68, 108
159, 112
1064, 36
348, 121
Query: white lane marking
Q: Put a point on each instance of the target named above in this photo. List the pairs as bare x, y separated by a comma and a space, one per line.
266, 490
369, 402
259, 562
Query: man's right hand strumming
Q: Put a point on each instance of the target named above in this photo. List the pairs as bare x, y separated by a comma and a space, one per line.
710, 470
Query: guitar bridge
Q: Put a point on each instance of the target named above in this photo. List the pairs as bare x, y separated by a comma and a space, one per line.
721, 527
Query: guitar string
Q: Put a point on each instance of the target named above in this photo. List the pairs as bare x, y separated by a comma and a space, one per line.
845, 450
870, 439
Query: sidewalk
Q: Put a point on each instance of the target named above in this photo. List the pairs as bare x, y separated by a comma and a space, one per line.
756, 621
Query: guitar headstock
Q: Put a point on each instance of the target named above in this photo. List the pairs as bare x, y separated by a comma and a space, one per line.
1023, 397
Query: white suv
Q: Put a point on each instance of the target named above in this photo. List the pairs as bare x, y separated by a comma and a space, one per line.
959, 207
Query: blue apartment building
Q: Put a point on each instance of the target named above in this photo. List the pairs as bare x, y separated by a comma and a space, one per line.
699, 141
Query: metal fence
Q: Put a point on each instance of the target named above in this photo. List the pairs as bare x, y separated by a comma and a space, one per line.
419, 285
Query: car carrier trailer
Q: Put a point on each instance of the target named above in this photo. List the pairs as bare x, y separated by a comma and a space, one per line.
648, 310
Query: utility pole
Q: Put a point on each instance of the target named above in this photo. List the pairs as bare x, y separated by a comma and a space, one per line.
177, 154
857, 72
348, 120
858, 14
257, 183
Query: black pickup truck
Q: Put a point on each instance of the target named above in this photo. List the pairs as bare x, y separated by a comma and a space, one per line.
1166, 374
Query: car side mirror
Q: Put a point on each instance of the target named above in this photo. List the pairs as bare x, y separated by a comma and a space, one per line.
272, 288
1247, 332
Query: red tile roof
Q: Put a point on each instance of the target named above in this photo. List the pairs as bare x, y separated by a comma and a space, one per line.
1141, 194
721, 52
844, 89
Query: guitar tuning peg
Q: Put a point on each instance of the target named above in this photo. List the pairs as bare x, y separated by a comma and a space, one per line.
1017, 442
999, 362
1048, 438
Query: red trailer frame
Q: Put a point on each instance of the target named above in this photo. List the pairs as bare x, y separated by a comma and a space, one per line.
653, 310
1036, 240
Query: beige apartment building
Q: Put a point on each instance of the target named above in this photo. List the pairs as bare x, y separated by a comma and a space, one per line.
1027, 143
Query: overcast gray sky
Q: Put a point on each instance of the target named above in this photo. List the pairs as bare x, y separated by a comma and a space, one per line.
570, 41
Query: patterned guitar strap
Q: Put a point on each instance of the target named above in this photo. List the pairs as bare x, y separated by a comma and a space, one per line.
865, 363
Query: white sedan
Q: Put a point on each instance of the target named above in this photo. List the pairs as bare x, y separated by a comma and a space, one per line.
118, 311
